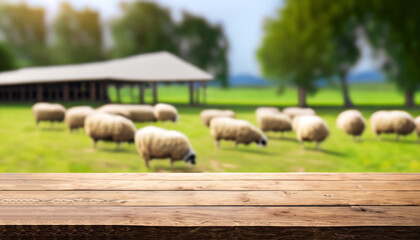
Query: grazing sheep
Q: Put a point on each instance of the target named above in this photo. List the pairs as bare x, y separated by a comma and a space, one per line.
115, 109
352, 122
153, 142
266, 110
297, 111
141, 113
108, 127
276, 122
207, 115
417, 122
398, 122
75, 116
166, 112
311, 129
49, 112
240, 131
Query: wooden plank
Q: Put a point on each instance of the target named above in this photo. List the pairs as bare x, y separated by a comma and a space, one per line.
182, 233
112, 185
210, 198
191, 92
211, 216
219, 176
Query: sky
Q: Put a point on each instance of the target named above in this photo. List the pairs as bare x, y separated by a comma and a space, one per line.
243, 21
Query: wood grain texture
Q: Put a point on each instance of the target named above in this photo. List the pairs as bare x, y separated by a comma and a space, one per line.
219, 176
182, 233
179, 185
210, 205
210, 198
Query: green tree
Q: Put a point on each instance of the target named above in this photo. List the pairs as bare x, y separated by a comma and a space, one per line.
7, 61
294, 50
395, 27
143, 27
23, 27
78, 36
204, 45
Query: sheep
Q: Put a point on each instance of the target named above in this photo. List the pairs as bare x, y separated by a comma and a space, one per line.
207, 115
153, 142
297, 111
75, 116
50, 112
398, 122
266, 109
417, 122
240, 131
141, 113
108, 127
276, 122
352, 122
115, 109
165, 112
310, 129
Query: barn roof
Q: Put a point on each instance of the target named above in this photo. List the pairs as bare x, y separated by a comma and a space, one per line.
150, 67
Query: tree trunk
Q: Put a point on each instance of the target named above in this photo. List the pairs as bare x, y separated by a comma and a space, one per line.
302, 97
409, 99
346, 95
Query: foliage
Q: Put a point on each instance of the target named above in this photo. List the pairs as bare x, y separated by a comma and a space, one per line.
78, 36
294, 50
204, 45
143, 27
23, 28
7, 60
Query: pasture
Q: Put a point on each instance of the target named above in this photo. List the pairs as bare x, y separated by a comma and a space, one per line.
24, 148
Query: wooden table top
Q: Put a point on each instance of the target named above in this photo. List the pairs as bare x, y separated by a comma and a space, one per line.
211, 199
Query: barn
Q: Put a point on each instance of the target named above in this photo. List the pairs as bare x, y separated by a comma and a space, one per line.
90, 81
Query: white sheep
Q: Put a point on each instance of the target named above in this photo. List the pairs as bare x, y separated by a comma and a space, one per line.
398, 122
298, 111
75, 116
311, 129
141, 113
165, 112
153, 142
266, 110
115, 109
276, 122
108, 127
208, 114
352, 122
240, 131
49, 112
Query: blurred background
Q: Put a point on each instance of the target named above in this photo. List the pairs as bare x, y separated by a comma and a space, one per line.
325, 54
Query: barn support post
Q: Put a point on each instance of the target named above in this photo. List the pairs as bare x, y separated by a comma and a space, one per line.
10, 93
39, 92
22, 93
191, 87
155, 94
66, 91
141, 92
93, 91
132, 93
101, 91
117, 89
197, 97
204, 93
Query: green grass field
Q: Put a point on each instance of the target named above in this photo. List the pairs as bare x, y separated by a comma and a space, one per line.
24, 148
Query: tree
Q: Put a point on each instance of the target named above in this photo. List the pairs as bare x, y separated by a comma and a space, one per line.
394, 26
294, 50
144, 27
7, 61
23, 27
78, 36
204, 45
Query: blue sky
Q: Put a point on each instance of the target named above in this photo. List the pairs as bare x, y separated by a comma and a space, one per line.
243, 21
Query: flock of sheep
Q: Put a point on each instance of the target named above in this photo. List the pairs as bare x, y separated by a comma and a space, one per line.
115, 123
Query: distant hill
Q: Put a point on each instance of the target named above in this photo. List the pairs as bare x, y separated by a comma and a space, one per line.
248, 80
